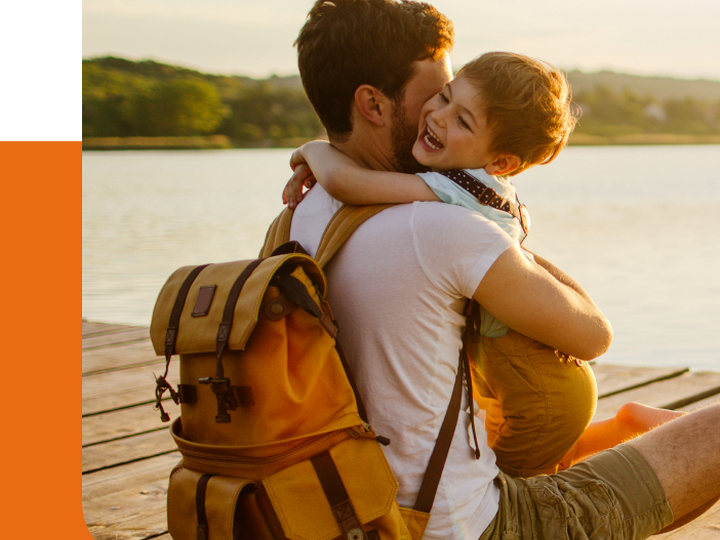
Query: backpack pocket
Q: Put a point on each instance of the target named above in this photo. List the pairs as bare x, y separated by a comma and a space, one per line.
304, 503
293, 503
204, 506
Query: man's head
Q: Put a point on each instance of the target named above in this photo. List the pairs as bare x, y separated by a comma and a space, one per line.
383, 44
527, 105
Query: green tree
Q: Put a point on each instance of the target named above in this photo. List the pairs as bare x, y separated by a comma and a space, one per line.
110, 101
186, 106
277, 112
688, 116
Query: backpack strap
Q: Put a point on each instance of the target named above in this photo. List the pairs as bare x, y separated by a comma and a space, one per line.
341, 226
202, 526
338, 230
436, 463
278, 233
161, 384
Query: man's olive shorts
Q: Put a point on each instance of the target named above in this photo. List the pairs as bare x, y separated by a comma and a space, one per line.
613, 495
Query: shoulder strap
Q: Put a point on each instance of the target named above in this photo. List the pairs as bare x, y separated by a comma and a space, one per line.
341, 226
278, 233
338, 230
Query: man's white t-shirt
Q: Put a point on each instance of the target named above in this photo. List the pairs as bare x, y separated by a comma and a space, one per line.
397, 289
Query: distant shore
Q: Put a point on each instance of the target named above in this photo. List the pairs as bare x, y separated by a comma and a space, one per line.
221, 141
582, 139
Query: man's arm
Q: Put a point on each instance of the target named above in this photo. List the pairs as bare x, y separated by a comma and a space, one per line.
541, 302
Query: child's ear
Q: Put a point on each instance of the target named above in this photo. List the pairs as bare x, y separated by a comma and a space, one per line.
503, 164
372, 104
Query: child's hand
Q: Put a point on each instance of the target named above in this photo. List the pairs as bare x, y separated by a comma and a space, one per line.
302, 176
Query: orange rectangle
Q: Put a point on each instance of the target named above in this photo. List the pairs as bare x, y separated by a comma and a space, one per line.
42, 262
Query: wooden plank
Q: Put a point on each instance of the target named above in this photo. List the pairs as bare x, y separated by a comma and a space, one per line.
115, 338
121, 451
125, 422
705, 527
119, 357
90, 327
115, 389
712, 400
668, 394
128, 502
612, 379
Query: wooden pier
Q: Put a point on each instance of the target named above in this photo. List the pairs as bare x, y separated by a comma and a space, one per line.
128, 453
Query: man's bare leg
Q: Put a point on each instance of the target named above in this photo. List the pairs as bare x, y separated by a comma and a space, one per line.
685, 455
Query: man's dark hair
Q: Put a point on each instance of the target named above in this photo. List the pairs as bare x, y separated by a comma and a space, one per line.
347, 43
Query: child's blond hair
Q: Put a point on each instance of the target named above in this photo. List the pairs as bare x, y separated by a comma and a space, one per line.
528, 104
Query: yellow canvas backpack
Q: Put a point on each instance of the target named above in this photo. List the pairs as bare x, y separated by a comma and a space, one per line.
275, 442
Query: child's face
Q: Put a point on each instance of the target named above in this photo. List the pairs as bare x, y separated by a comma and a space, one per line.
453, 131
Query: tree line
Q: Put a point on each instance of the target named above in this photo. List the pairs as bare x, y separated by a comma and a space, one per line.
122, 98
606, 112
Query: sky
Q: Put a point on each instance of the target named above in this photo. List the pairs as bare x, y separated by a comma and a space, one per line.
255, 38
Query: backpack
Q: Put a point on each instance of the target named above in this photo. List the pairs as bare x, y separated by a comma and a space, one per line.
274, 439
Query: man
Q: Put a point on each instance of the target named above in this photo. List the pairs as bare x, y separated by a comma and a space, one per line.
398, 287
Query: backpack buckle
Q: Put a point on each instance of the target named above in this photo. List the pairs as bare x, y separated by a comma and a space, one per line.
225, 396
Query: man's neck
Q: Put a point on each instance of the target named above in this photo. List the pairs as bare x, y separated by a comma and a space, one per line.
368, 152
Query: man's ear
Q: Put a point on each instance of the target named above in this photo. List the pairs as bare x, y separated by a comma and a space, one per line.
503, 164
372, 104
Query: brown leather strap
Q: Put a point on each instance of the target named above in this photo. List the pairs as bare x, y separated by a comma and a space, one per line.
225, 327
469, 383
289, 247
337, 496
161, 384
202, 522
222, 387
436, 464
174, 322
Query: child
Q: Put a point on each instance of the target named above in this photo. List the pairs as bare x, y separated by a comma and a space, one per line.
502, 114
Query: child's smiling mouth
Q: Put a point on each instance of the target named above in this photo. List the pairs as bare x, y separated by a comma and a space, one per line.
430, 139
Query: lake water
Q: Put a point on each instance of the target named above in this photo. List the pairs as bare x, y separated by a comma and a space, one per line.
636, 226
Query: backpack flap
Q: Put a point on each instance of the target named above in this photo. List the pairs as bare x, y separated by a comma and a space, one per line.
204, 305
274, 382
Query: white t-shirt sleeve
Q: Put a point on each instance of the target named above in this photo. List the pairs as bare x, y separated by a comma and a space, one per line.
456, 246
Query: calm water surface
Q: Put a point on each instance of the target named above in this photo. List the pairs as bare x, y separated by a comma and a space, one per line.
636, 226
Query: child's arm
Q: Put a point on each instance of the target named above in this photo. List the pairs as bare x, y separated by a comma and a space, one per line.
350, 183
